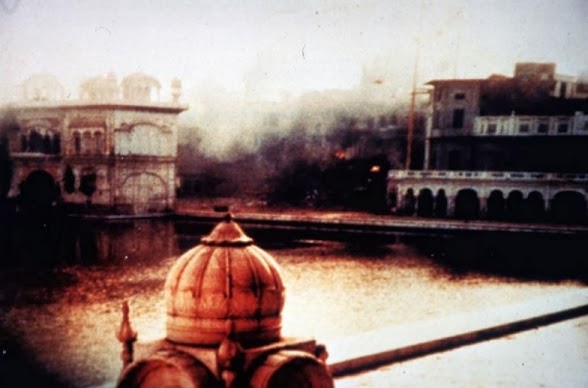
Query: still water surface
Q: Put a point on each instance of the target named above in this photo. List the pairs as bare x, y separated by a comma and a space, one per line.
66, 317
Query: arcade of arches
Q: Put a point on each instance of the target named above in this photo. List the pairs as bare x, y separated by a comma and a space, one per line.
49, 142
46, 142
45, 186
88, 142
565, 206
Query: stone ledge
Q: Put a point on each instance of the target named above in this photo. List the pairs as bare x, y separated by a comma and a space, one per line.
397, 343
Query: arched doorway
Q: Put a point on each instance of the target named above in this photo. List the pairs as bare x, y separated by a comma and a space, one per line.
495, 205
425, 203
392, 198
408, 203
145, 192
568, 207
39, 190
534, 207
467, 204
514, 205
441, 204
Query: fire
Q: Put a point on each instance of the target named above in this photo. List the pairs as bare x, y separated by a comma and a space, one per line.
375, 168
340, 154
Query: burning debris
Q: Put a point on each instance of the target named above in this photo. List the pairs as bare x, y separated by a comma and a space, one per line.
344, 165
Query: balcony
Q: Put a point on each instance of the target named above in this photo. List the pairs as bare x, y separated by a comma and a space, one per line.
489, 176
576, 125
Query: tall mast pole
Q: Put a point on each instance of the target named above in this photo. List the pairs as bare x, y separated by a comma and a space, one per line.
411, 113
410, 132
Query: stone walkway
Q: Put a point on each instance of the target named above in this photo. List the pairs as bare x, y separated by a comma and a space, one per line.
551, 352
550, 356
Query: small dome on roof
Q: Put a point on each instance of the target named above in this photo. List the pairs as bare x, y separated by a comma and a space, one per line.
42, 87
226, 285
140, 87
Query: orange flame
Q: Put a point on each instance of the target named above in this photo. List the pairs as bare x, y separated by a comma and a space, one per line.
340, 154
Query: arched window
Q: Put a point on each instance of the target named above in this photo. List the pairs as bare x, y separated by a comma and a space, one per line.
35, 141
87, 144
77, 142
56, 144
46, 144
24, 143
98, 142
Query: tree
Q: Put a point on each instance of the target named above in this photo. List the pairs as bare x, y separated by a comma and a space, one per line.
6, 168
88, 185
8, 126
69, 180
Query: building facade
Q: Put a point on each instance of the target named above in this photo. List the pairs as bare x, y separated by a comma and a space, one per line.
502, 148
115, 147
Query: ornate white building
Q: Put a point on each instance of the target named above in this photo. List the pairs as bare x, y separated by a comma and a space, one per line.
509, 148
115, 147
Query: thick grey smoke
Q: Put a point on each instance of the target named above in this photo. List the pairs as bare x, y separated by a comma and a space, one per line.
294, 149
229, 120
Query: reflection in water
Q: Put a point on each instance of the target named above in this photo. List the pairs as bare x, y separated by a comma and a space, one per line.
53, 240
66, 317
130, 241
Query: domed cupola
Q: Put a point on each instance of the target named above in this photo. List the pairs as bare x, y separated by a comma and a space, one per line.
226, 285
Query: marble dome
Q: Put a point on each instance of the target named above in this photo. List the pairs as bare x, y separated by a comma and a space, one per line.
224, 286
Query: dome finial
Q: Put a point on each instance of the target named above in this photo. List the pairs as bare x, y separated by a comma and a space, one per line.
227, 233
226, 288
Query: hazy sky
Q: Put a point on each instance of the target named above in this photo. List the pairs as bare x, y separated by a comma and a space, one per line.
266, 49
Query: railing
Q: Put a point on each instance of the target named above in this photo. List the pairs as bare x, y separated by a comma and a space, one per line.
34, 155
488, 175
531, 125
